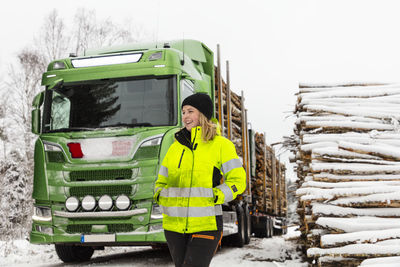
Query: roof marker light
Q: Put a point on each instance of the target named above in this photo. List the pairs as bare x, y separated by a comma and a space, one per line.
155, 56
58, 65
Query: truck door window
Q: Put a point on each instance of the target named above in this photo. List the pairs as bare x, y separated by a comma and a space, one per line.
60, 110
186, 90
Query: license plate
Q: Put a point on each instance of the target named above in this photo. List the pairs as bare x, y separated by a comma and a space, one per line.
97, 238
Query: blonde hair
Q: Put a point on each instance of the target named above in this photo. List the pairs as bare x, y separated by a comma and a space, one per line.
209, 128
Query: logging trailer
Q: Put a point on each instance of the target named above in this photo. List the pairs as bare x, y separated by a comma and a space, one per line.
105, 122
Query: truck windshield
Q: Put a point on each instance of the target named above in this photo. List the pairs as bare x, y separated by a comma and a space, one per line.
128, 102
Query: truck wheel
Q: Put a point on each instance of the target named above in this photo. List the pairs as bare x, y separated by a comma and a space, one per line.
247, 224
238, 238
74, 253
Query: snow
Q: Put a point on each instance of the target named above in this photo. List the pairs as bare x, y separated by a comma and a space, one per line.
377, 198
334, 118
330, 210
349, 184
356, 177
308, 193
367, 111
356, 224
355, 250
109, 147
383, 261
359, 237
348, 162
354, 168
354, 91
276, 251
362, 138
378, 149
350, 124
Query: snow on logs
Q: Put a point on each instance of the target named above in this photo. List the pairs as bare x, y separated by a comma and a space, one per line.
347, 155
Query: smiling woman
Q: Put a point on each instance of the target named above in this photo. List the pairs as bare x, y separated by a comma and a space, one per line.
189, 187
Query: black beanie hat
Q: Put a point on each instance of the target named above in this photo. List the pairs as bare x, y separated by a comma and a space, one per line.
202, 102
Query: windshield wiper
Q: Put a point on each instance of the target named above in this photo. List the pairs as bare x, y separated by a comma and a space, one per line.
72, 129
141, 124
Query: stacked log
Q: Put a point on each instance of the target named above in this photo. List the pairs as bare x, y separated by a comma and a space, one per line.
347, 154
269, 183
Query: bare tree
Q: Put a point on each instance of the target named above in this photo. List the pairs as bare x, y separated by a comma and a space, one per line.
23, 85
89, 32
53, 41
4, 122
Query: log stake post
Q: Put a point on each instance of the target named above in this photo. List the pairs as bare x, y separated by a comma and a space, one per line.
220, 91
228, 105
274, 175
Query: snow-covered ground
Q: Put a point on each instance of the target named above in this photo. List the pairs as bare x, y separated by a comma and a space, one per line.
276, 251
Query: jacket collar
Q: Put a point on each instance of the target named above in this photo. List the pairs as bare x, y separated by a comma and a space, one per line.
189, 139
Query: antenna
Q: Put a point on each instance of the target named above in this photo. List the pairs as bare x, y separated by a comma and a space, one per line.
183, 50
158, 17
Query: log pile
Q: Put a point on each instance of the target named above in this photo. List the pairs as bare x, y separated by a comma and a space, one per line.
269, 185
347, 155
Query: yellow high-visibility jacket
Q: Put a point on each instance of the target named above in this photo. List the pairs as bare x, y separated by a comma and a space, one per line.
188, 187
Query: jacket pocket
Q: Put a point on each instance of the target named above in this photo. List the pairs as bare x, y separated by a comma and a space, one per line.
180, 161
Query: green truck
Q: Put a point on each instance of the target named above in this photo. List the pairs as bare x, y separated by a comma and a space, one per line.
104, 123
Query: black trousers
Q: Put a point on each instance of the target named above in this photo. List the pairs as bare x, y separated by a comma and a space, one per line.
195, 249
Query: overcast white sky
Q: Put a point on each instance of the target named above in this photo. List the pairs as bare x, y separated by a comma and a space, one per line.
271, 45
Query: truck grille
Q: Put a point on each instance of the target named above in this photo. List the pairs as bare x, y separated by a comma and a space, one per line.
118, 228
86, 228
100, 175
79, 228
97, 191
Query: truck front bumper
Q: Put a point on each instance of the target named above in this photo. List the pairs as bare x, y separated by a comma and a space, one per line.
101, 239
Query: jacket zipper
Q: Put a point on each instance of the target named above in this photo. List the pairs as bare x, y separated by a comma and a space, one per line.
191, 181
180, 161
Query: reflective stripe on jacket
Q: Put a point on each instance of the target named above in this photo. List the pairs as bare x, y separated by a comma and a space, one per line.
184, 188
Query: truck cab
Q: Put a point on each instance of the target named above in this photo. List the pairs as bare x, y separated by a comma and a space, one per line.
104, 124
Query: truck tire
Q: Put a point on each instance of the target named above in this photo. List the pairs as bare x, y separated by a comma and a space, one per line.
277, 231
268, 227
271, 227
74, 253
238, 238
247, 224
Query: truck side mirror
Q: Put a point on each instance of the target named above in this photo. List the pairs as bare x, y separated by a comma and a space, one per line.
36, 103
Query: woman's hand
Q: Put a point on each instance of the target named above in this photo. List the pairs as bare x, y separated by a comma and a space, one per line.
219, 197
156, 196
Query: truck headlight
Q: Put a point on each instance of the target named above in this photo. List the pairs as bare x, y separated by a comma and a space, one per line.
51, 147
41, 213
72, 204
149, 148
88, 203
105, 202
122, 202
54, 152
